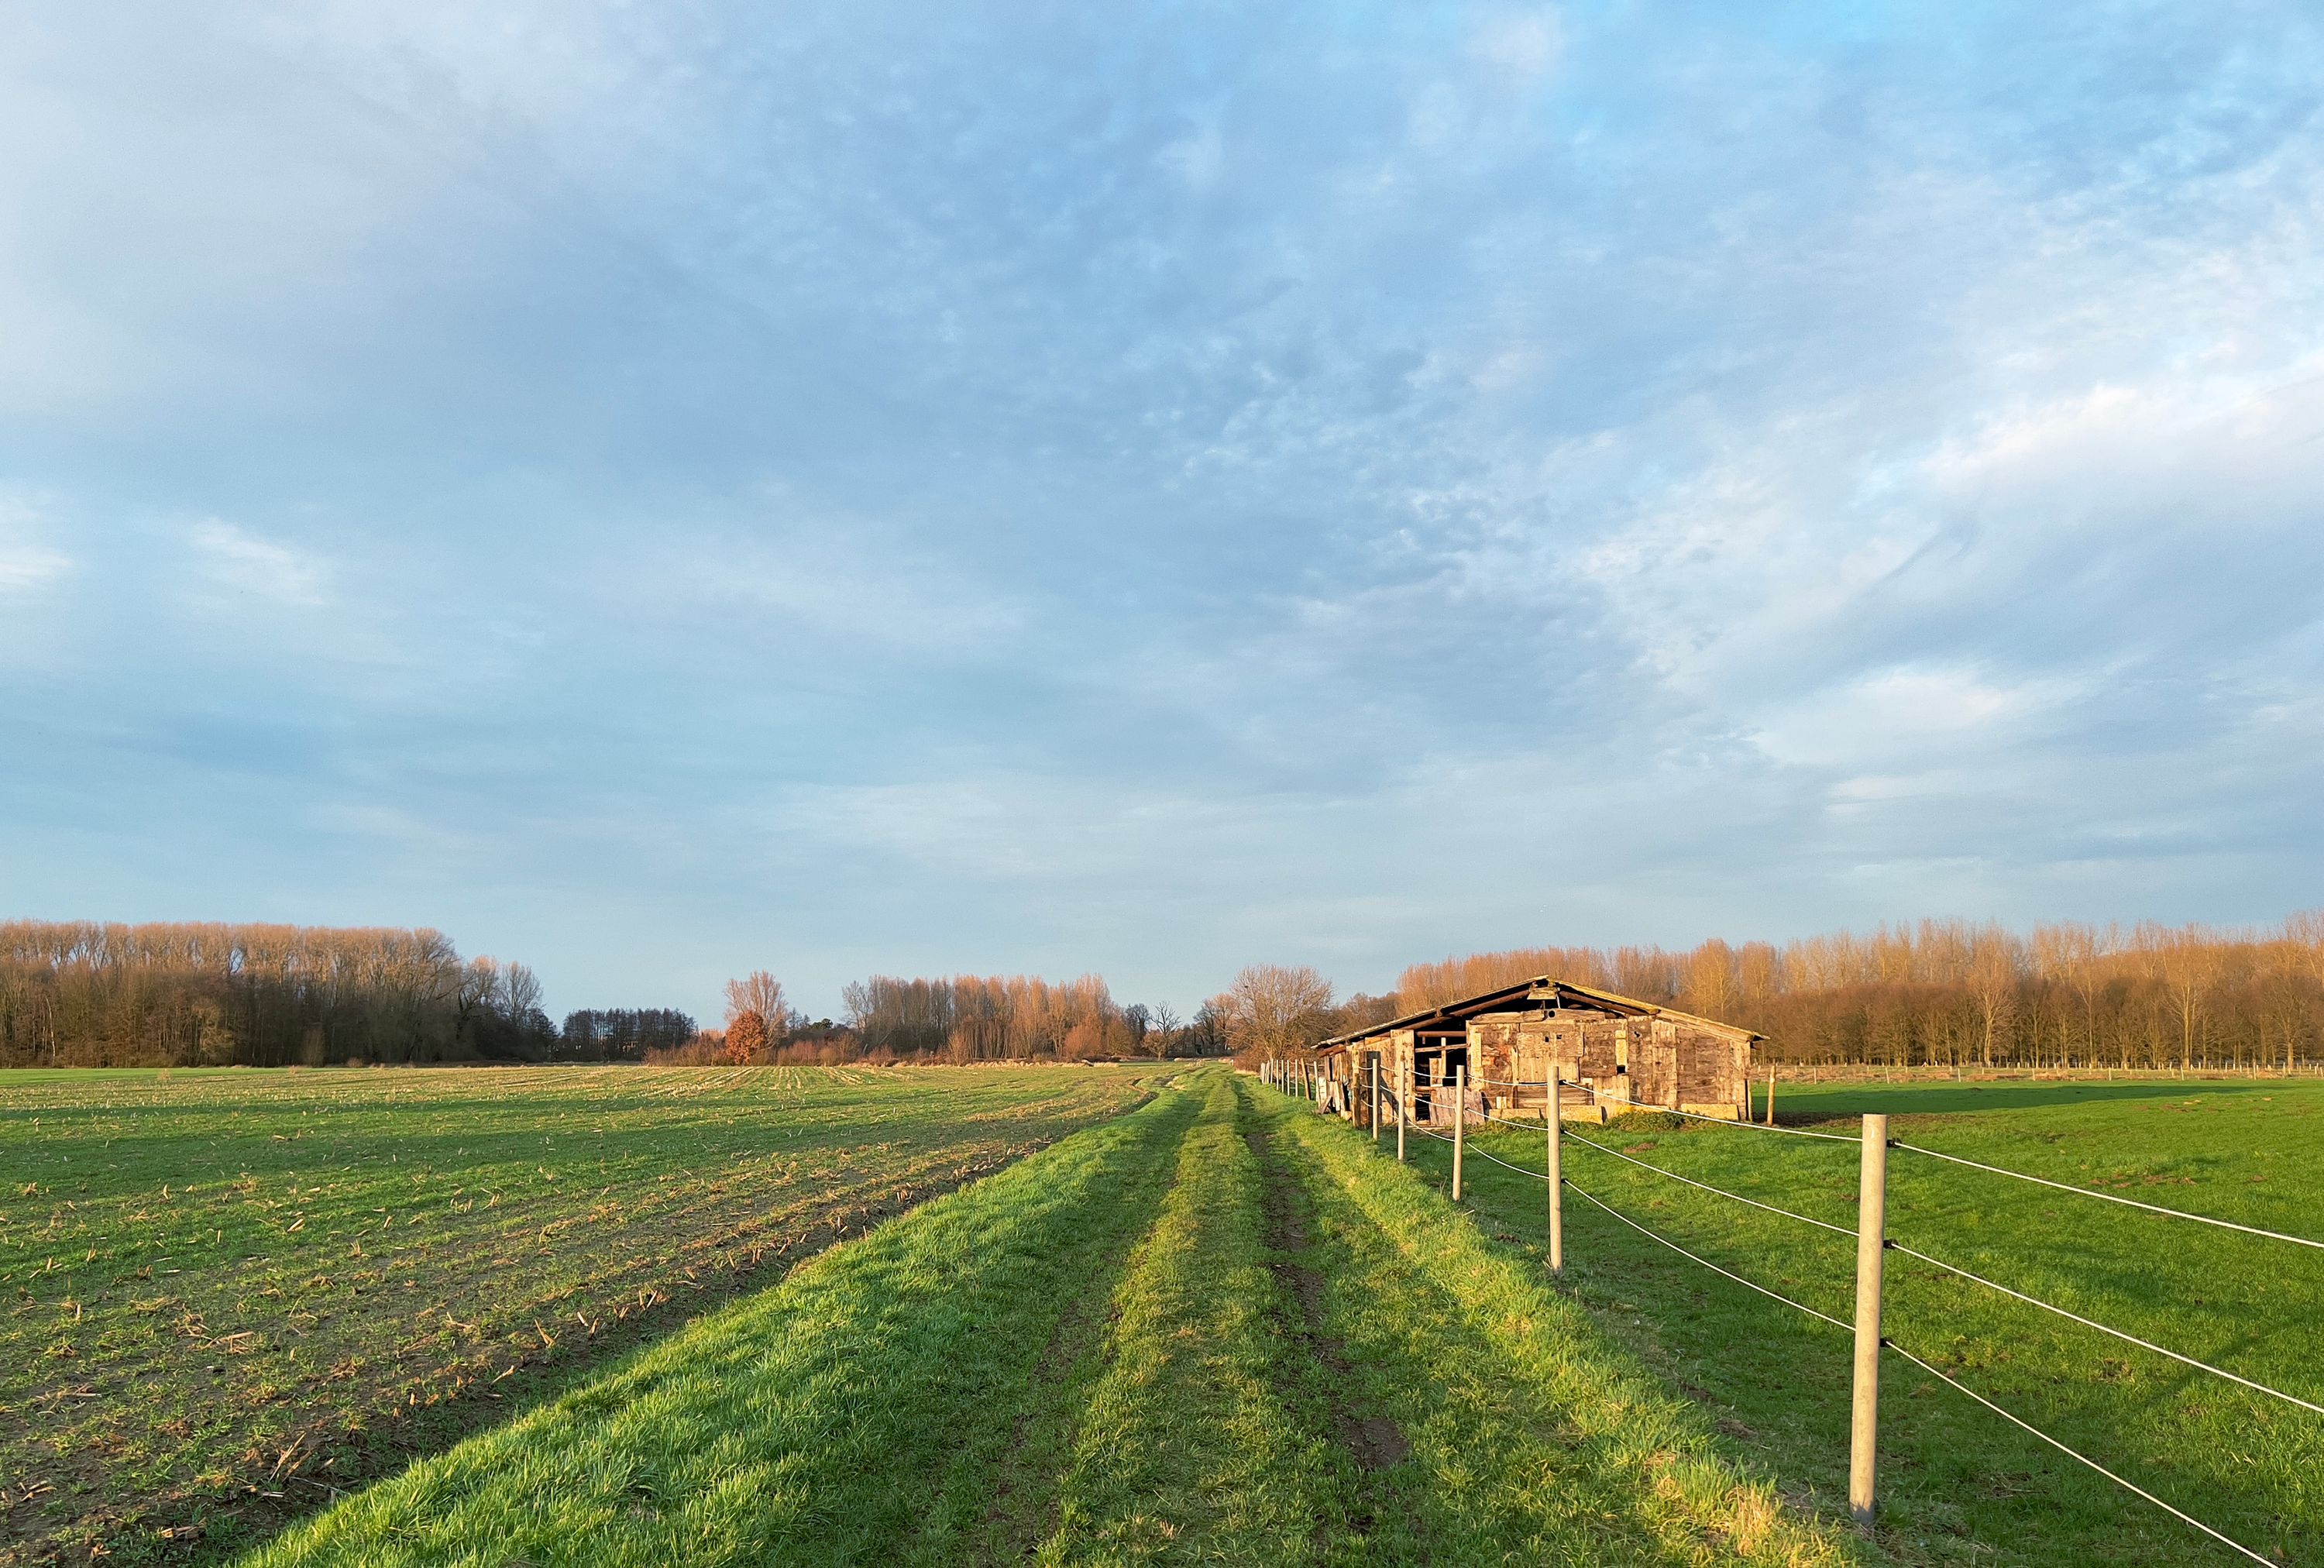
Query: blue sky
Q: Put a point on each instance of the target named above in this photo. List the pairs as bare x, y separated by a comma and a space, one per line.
661, 490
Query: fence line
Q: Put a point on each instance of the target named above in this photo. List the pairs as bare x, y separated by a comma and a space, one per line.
1915, 1148
1665, 1110
1497, 1159
1706, 1186
1583, 1192
2102, 1328
1883, 1340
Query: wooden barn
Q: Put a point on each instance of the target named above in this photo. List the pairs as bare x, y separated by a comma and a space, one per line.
1615, 1053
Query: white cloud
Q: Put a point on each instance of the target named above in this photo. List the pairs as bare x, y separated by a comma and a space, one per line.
1524, 43
1939, 716
26, 563
235, 560
1195, 158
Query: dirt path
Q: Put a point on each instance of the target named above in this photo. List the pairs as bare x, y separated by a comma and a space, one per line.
1374, 1440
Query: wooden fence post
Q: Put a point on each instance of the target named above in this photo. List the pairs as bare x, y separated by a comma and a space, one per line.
1459, 1121
1375, 1096
1871, 1227
1403, 1097
1556, 1180
1771, 1096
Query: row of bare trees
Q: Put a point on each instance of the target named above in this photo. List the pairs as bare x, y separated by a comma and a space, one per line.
86, 994
954, 1019
622, 1034
1957, 992
971, 1018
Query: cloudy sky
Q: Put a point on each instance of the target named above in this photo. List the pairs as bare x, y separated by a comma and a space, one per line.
660, 489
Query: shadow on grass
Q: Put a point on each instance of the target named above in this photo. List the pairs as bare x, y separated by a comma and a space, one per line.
1836, 1102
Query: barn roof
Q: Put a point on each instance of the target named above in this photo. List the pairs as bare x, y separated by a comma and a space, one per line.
1453, 1017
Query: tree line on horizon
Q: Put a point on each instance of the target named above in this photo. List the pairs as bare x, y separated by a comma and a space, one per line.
1946, 992
1961, 993
79, 993
84, 993
958, 1018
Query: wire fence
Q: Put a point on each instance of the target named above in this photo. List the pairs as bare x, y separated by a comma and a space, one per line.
1388, 1100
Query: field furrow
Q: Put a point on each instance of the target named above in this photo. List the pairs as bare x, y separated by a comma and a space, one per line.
855, 1413
232, 1296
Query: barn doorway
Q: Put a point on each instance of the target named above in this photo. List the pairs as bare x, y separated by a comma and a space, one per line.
1431, 1081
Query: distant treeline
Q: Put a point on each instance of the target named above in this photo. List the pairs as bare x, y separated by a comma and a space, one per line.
86, 995
1952, 993
622, 1034
1012, 1018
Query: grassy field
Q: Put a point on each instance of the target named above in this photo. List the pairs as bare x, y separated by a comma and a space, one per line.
1177, 1319
232, 1294
1959, 1485
1215, 1330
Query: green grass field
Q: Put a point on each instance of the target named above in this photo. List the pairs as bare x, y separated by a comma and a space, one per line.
1959, 1485
1214, 1331
1176, 1318
232, 1294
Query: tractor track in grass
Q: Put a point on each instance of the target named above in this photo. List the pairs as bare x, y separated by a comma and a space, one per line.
1023, 1511
1375, 1442
1530, 1438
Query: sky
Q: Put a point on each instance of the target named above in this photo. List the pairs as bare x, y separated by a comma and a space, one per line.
656, 490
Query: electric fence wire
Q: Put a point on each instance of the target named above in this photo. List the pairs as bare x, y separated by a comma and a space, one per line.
2128, 1486
1706, 1263
2109, 1197
1933, 1154
2071, 1453
1666, 1111
1706, 1186
2028, 1426
2102, 1328
1953, 1268
1689, 1181
1497, 1159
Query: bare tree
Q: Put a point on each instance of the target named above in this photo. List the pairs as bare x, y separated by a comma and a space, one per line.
518, 995
1992, 973
1710, 977
758, 992
1275, 1006
2187, 961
